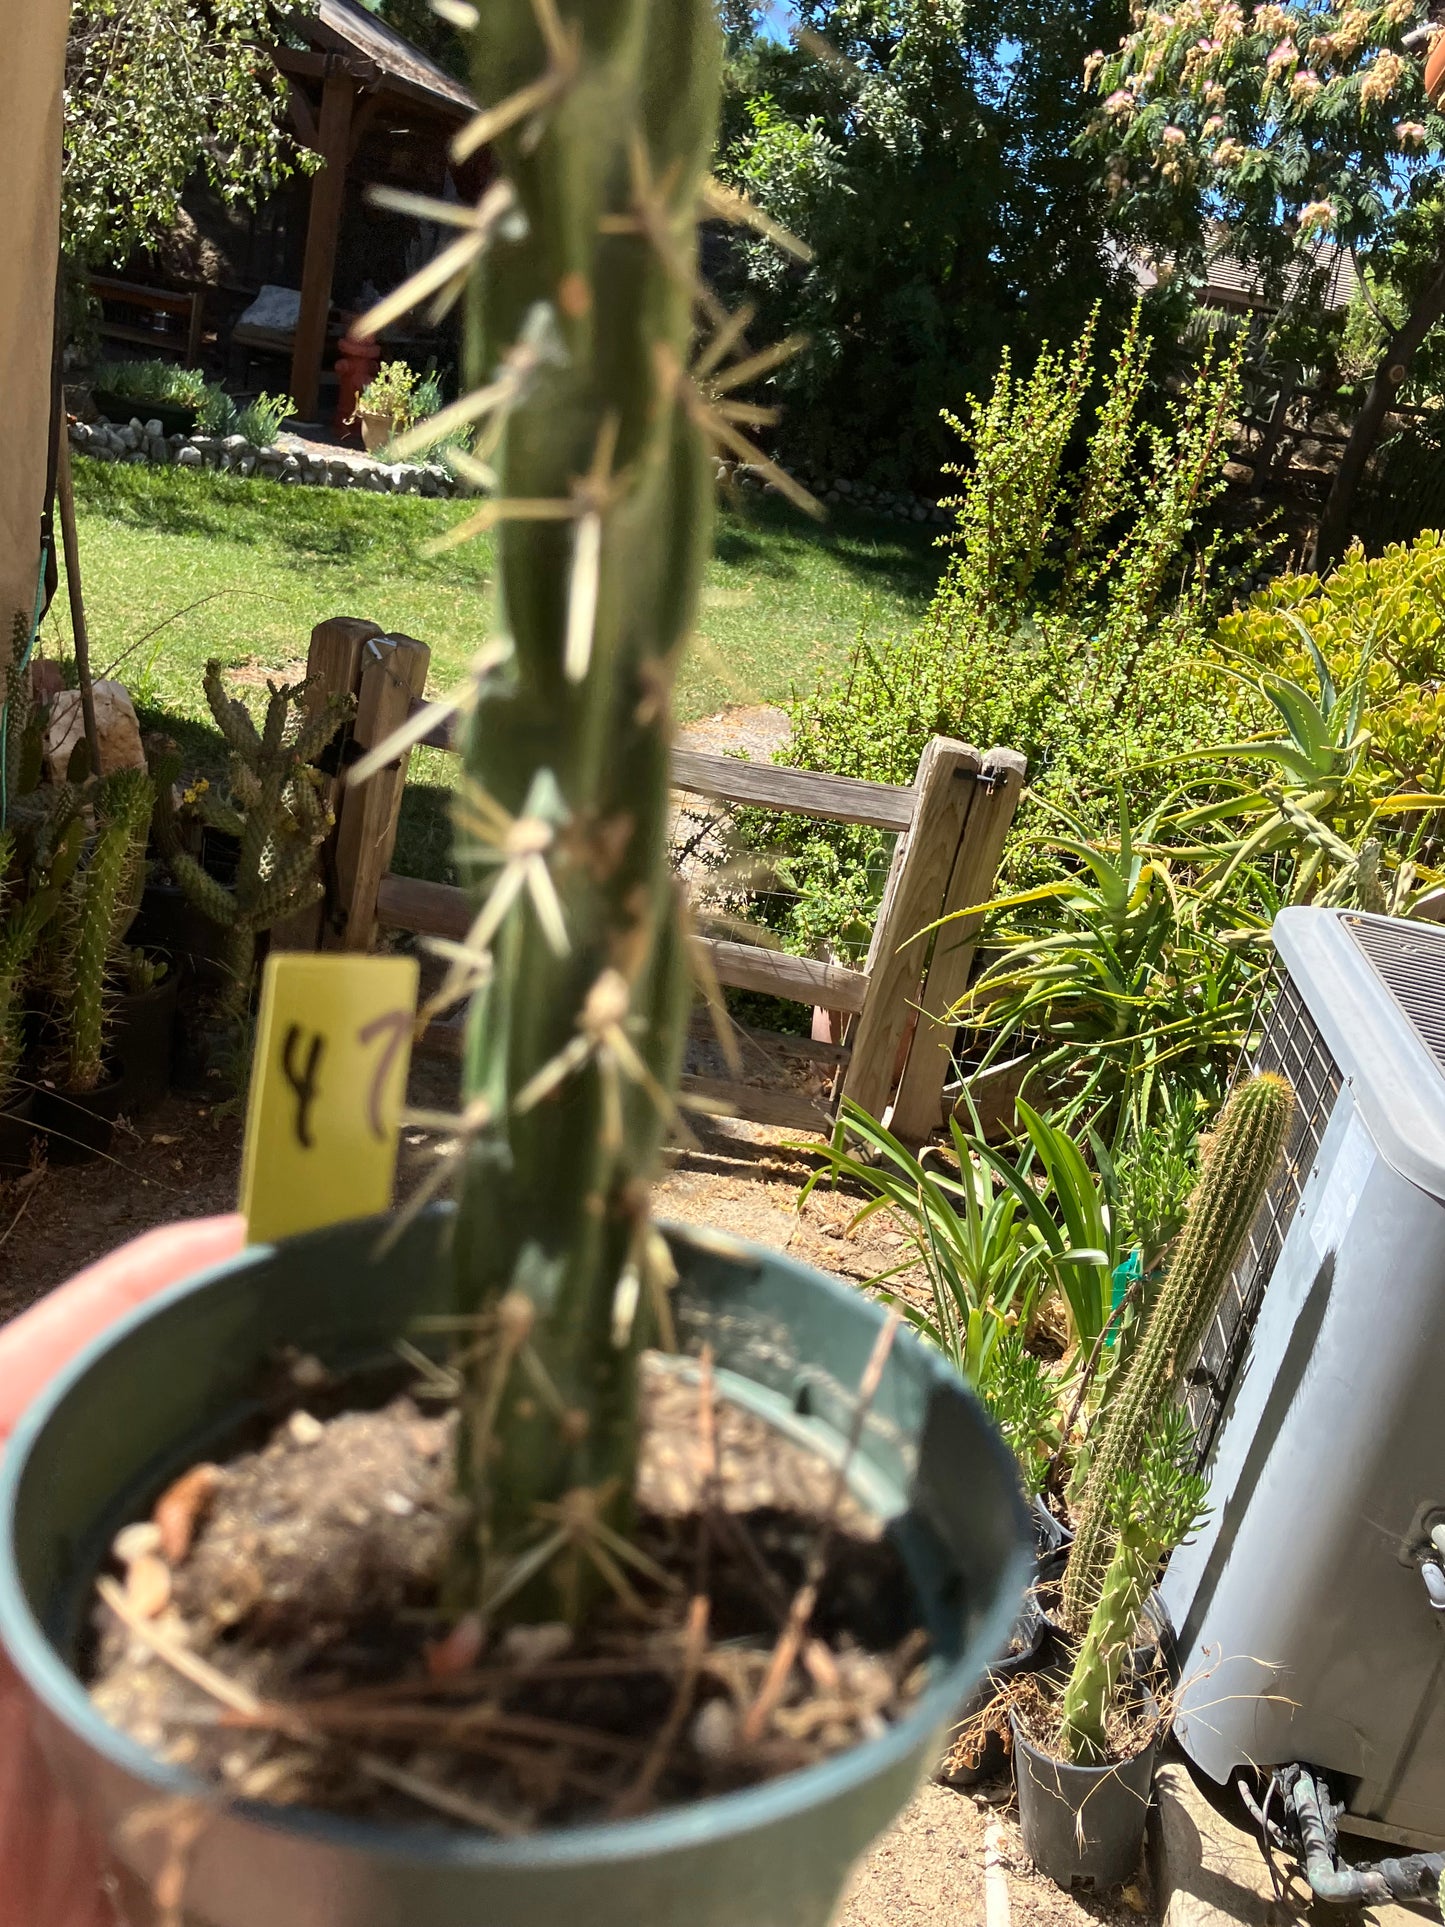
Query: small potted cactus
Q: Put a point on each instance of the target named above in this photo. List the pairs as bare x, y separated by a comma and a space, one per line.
1084, 1758
565, 1655
80, 1092
271, 821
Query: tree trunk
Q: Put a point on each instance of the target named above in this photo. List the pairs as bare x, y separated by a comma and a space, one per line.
1392, 370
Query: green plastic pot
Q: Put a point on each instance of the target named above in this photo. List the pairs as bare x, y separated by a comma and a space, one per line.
175, 1382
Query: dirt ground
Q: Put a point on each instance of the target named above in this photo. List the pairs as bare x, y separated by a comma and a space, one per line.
182, 1161
955, 1859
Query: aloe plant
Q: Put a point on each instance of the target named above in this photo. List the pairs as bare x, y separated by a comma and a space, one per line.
580, 314
273, 808
1238, 1163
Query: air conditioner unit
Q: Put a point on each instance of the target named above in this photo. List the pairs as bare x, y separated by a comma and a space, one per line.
1306, 1611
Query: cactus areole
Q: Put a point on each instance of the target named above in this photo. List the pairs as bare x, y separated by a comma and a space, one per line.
575, 1037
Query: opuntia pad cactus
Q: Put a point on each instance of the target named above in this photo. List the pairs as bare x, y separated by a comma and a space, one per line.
1238, 1163
574, 1043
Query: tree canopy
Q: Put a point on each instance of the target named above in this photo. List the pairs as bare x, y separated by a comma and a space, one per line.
1288, 124
924, 149
154, 90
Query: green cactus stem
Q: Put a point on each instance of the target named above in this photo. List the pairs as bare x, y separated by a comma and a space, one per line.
99, 906
273, 809
580, 319
1239, 1161
1153, 1512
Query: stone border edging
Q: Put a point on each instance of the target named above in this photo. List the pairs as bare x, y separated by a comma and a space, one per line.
139, 443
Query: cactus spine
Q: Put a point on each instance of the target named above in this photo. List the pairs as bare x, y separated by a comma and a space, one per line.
1238, 1163
99, 906
273, 809
580, 321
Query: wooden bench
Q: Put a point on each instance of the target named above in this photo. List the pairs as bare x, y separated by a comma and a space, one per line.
189, 305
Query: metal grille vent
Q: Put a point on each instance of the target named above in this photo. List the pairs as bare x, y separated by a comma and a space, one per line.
1409, 960
1291, 1044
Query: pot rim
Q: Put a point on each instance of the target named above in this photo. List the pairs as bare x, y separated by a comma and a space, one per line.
1036, 1752
675, 1829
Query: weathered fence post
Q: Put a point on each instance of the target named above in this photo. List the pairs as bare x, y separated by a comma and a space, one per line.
393, 674
333, 668
922, 868
918, 1107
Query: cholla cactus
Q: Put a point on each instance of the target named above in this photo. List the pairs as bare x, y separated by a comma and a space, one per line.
1239, 1161
98, 905
274, 810
1153, 1511
602, 116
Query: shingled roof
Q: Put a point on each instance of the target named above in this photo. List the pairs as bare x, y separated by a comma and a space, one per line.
346, 27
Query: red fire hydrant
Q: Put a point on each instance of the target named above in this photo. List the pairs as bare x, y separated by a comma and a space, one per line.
356, 362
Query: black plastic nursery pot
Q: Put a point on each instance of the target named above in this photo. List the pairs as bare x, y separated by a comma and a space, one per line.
1026, 1643
78, 1125
175, 417
142, 1037
17, 1131
1083, 1825
177, 1380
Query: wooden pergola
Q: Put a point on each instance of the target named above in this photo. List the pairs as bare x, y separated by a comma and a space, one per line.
354, 70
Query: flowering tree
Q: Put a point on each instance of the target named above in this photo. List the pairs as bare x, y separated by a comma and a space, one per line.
154, 90
1287, 123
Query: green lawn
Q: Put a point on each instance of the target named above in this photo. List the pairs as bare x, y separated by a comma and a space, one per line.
218, 565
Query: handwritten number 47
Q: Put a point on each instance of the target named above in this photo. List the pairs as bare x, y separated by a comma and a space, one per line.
303, 1054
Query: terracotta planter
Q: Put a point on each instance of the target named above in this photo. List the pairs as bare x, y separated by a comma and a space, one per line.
1435, 72
174, 1380
376, 430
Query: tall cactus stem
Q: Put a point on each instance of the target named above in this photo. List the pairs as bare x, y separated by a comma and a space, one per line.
574, 1042
1238, 1163
101, 900
1089, 1695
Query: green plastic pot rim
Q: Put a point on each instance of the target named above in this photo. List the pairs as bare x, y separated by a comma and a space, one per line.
728, 1815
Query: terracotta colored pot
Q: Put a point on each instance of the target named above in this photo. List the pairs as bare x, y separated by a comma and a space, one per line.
376, 430
1435, 72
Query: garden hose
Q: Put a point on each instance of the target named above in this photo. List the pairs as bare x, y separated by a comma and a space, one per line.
20, 669
1412, 1876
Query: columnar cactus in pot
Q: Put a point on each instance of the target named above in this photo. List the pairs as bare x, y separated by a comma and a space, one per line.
98, 906
575, 1038
1239, 1161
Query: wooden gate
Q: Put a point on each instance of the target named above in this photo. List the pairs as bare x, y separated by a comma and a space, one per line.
950, 826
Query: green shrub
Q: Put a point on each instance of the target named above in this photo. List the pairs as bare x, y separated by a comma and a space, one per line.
162, 381
155, 380
1070, 624
1382, 621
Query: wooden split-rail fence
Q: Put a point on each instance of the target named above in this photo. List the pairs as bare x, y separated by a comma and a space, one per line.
950, 826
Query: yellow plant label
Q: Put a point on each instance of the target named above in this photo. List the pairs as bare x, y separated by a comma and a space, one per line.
333, 1046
